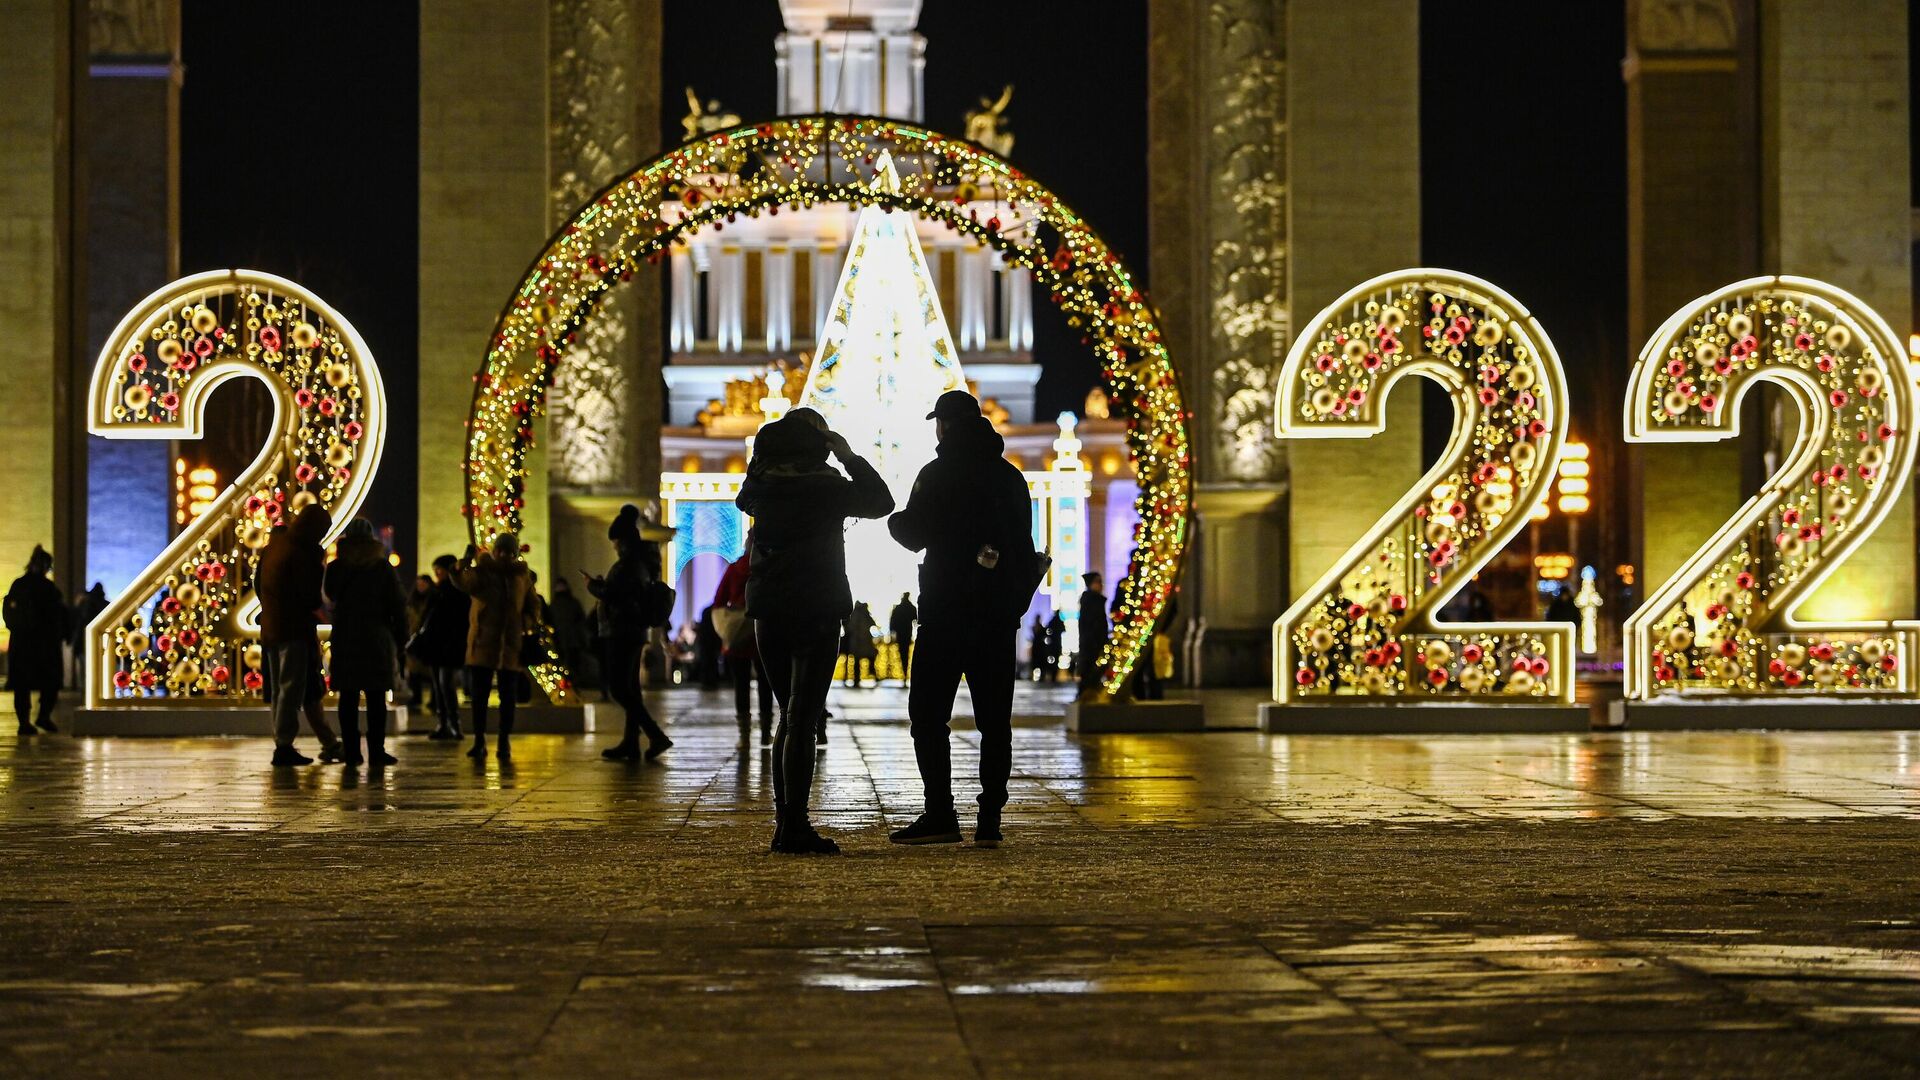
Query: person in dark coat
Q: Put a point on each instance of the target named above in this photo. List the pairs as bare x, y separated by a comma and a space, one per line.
441, 644
1056, 643
860, 649
624, 626
971, 513
707, 647
797, 592
369, 616
1094, 632
36, 617
569, 622
500, 585
288, 582
86, 608
419, 675
900, 621
742, 657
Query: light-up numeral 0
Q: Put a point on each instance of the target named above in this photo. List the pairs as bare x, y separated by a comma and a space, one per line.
1367, 627
185, 628
1724, 622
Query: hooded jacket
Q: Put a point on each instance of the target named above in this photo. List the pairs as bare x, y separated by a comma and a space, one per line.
970, 496
288, 579
369, 616
798, 572
502, 592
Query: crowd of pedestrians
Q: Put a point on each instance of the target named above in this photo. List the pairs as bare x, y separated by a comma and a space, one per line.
782, 620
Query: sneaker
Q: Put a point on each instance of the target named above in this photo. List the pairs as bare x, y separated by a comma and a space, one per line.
803, 840
288, 756
478, 751
49, 726
351, 759
656, 748
928, 829
625, 751
28, 729
332, 755
986, 833
380, 759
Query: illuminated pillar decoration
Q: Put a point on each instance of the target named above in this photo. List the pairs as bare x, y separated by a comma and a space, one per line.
884, 358
1367, 627
185, 628
802, 161
1725, 622
1060, 503
1589, 602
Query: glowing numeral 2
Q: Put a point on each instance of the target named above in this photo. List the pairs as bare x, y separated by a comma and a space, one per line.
1367, 626
1724, 622
185, 627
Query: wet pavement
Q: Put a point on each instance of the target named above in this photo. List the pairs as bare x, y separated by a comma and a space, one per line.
1226, 904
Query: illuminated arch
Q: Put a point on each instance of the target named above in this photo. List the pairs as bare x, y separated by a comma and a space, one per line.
806, 160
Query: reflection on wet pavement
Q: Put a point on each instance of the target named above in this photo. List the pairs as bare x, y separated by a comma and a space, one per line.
1732, 903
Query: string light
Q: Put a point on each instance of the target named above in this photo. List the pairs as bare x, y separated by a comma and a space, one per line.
798, 162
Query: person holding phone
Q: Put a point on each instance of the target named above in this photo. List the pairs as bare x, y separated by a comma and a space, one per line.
623, 630
797, 592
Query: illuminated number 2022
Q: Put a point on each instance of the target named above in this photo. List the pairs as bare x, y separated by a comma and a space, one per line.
185, 628
1724, 622
1367, 627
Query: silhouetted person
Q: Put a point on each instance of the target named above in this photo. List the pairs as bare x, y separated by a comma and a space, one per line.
1562, 608
901, 621
36, 617
860, 648
1056, 644
742, 654
706, 650
369, 615
797, 592
1037, 647
441, 644
501, 588
625, 620
970, 512
1093, 632
86, 608
569, 622
288, 583
419, 675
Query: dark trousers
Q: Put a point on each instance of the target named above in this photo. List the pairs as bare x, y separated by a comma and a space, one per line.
446, 696
745, 673
984, 656
1090, 669
905, 641
622, 675
23, 705
799, 661
482, 686
350, 719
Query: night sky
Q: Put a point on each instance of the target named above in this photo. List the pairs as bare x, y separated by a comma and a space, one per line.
321, 184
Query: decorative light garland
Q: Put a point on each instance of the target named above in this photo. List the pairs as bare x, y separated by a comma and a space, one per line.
185, 629
1724, 622
797, 162
1367, 627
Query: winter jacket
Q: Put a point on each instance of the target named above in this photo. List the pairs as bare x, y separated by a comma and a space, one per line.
859, 642
36, 617
441, 640
369, 617
799, 569
968, 497
623, 593
1094, 630
288, 579
502, 592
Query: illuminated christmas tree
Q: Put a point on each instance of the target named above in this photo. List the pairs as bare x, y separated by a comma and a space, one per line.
885, 355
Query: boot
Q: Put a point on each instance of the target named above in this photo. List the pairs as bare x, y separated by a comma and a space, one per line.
797, 837
350, 741
478, 751
628, 748
377, 755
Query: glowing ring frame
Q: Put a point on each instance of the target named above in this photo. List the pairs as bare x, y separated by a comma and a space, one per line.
1870, 344
146, 322
806, 160
1372, 371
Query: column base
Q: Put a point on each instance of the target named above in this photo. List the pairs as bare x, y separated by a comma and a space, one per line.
1125, 717
1422, 718
1788, 714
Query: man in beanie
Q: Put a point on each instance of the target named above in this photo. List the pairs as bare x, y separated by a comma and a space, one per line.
971, 514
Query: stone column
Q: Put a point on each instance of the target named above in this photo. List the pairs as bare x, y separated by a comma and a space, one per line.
128, 218
484, 214
1692, 226
1836, 205
1277, 181
603, 110
1353, 173
36, 261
